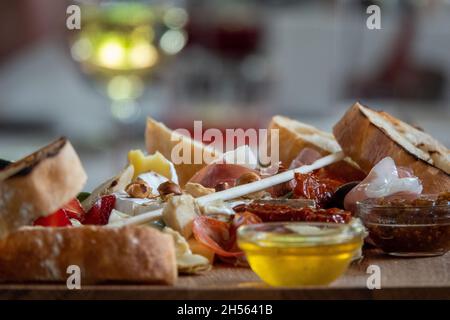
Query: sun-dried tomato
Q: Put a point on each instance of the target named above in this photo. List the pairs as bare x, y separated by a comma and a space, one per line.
315, 186
275, 212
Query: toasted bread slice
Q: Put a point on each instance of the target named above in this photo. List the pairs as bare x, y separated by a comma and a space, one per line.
39, 184
367, 136
295, 136
130, 254
160, 138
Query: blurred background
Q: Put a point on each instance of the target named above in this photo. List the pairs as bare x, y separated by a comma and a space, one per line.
229, 63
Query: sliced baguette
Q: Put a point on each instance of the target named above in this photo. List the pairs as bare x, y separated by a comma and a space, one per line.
39, 184
295, 136
131, 254
367, 136
160, 138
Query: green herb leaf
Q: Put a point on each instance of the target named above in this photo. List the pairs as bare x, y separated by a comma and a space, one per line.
83, 196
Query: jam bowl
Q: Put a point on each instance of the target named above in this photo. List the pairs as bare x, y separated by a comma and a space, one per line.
409, 227
300, 253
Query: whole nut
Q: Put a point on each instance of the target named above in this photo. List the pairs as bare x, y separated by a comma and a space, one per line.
222, 186
282, 189
167, 188
247, 177
197, 190
138, 189
250, 177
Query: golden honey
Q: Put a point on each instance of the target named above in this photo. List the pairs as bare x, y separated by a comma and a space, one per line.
300, 254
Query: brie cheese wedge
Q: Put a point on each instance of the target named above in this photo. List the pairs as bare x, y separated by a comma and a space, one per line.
153, 179
117, 216
136, 206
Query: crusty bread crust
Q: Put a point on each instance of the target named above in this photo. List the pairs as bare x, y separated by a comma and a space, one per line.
39, 185
295, 136
160, 138
367, 137
130, 254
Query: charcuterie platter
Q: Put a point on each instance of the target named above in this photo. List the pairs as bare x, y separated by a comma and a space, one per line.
326, 213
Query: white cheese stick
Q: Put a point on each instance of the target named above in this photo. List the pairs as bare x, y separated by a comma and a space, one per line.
245, 189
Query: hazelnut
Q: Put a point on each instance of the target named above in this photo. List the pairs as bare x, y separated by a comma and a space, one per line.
222, 186
167, 188
138, 189
282, 189
247, 177
197, 190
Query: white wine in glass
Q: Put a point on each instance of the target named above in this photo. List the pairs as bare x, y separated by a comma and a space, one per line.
121, 44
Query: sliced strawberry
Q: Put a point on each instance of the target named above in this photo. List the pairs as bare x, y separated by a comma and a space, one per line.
74, 210
57, 219
100, 211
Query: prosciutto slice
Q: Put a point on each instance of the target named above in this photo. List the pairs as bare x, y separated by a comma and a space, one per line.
215, 173
306, 156
384, 180
220, 236
228, 168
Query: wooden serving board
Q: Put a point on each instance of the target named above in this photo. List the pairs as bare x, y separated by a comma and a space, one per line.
400, 278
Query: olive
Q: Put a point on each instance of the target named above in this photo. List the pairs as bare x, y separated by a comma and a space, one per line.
337, 199
4, 163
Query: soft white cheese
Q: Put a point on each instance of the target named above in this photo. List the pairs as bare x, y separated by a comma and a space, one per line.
75, 223
173, 173
217, 207
135, 206
187, 262
242, 155
153, 179
117, 216
179, 214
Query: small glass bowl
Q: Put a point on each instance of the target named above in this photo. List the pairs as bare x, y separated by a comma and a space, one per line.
300, 253
408, 228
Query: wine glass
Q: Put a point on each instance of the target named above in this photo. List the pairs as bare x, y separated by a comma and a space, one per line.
122, 45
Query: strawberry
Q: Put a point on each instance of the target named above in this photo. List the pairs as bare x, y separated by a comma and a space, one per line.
100, 211
57, 219
74, 210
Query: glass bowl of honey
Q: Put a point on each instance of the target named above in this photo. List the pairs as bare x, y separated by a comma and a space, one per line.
300, 253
